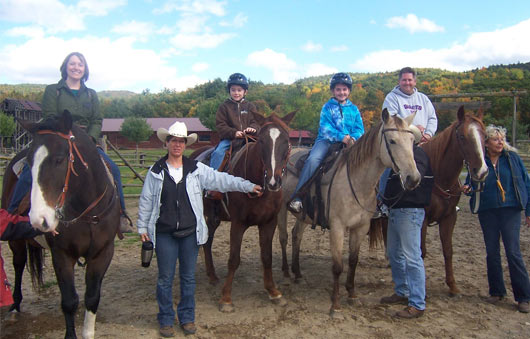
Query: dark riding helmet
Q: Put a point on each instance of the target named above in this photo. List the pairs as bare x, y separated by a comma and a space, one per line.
340, 78
237, 79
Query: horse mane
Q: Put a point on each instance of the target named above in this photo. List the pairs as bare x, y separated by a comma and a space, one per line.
365, 146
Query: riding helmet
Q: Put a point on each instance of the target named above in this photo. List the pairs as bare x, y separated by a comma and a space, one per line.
237, 79
340, 78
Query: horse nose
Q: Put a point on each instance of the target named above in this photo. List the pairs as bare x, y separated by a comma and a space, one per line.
275, 184
412, 181
478, 174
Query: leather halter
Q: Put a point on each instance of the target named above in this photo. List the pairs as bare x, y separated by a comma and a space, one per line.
59, 204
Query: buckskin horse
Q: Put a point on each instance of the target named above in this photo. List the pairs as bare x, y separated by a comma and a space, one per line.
461, 143
351, 197
72, 195
262, 162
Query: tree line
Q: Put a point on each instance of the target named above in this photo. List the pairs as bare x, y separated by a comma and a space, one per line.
309, 94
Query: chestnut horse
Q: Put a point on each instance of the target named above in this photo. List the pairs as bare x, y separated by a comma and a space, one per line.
72, 195
460, 143
262, 162
352, 196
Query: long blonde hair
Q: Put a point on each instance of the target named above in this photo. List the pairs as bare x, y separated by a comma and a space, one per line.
493, 131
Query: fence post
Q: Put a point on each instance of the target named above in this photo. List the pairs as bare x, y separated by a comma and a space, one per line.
142, 159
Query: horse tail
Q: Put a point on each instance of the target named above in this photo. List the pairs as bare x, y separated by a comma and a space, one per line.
375, 233
35, 264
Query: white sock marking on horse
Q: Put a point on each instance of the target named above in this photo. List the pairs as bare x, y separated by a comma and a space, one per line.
40, 210
89, 328
476, 137
274, 134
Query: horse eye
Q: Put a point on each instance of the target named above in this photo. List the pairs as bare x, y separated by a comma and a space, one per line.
392, 141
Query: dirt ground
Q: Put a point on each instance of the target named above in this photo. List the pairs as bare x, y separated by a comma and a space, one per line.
128, 305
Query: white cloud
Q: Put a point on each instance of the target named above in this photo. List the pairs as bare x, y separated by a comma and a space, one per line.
204, 40
192, 24
200, 66
140, 30
114, 64
214, 7
53, 15
414, 24
503, 46
340, 48
319, 69
239, 21
283, 69
310, 46
26, 31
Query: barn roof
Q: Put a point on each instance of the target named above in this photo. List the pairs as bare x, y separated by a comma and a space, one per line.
301, 133
193, 124
26, 104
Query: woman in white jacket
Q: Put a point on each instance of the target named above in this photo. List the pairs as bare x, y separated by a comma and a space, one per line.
170, 214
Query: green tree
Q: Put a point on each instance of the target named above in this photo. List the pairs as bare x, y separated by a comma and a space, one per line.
7, 127
137, 130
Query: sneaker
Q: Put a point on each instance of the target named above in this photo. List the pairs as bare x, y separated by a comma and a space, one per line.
189, 328
494, 299
394, 299
167, 331
410, 312
523, 307
295, 205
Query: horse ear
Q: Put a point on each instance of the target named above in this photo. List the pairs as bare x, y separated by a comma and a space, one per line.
461, 113
289, 117
385, 115
67, 122
410, 119
259, 118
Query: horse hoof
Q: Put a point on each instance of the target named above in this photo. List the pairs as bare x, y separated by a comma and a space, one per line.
354, 301
226, 308
336, 315
12, 317
280, 301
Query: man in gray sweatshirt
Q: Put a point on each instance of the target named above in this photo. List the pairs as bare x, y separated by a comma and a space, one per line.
405, 99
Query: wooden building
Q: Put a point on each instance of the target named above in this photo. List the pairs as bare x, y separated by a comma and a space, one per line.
21, 110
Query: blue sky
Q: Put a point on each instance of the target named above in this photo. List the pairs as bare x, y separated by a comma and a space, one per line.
177, 44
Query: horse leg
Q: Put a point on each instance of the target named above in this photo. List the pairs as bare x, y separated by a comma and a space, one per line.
266, 235
298, 233
237, 229
64, 271
283, 237
336, 242
353, 259
447, 226
207, 249
95, 271
20, 258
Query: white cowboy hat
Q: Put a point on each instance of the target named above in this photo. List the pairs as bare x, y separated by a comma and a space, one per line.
178, 129
416, 132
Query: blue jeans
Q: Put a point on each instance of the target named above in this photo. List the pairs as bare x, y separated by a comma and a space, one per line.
404, 254
22, 187
116, 175
219, 153
168, 250
505, 222
315, 158
382, 183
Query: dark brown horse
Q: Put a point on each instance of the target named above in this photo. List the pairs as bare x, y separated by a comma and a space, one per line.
462, 143
72, 194
262, 162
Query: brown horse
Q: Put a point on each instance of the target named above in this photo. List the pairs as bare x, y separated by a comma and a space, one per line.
262, 162
350, 188
460, 143
72, 195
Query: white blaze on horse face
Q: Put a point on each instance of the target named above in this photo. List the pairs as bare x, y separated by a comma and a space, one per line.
483, 170
40, 211
274, 133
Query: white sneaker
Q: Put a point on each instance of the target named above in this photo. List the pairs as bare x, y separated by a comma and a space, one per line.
295, 206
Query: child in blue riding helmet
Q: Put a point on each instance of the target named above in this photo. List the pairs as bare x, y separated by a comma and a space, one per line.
340, 122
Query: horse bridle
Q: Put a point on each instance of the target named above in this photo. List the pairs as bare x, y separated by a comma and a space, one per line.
284, 166
59, 204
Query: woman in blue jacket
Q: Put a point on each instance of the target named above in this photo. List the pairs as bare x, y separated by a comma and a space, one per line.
505, 194
340, 121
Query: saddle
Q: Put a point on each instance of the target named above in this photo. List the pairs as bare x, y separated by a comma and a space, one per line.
313, 200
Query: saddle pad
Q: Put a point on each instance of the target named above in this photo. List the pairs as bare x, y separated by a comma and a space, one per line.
18, 166
205, 156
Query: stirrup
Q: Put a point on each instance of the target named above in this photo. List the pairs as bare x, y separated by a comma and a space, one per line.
295, 205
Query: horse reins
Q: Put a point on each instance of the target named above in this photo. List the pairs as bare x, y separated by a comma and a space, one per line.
59, 204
